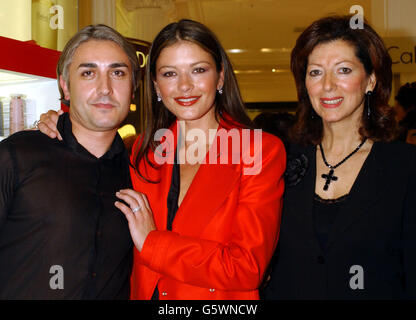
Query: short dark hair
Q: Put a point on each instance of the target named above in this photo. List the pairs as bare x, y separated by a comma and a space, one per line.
276, 123
370, 50
406, 96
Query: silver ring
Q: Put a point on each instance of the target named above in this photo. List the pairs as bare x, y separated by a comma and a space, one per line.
36, 124
135, 209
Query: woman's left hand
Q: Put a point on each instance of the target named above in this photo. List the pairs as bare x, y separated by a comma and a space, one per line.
138, 214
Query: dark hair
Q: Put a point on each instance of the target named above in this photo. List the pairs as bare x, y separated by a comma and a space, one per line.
370, 50
406, 96
156, 115
276, 123
409, 121
95, 32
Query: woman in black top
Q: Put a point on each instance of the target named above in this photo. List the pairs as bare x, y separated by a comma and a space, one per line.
349, 219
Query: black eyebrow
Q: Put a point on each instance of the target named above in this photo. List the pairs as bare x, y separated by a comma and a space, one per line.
112, 65
87, 65
118, 65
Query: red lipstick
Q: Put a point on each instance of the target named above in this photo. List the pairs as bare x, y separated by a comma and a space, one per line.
331, 102
187, 101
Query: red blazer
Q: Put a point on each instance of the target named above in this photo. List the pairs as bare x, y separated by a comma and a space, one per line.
224, 232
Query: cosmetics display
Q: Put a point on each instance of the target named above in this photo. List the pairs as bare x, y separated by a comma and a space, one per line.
1, 118
17, 108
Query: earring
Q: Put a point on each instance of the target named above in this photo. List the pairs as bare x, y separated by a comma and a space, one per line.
368, 102
159, 98
220, 91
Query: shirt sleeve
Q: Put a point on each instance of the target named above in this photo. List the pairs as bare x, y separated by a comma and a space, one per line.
7, 180
240, 263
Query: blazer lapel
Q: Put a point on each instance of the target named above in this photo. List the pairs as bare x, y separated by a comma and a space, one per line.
209, 189
367, 188
157, 192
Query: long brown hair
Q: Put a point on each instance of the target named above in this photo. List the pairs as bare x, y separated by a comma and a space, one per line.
370, 50
156, 115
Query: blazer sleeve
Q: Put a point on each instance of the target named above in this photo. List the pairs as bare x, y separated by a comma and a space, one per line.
409, 231
240, 263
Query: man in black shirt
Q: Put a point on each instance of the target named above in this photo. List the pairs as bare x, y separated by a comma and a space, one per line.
61, 237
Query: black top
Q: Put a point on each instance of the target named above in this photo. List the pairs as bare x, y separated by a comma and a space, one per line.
57, 209
371, 246
172, 203
173, 195
324, 214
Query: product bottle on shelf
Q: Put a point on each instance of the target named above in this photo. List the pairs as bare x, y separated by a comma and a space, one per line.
17, 106
1, 118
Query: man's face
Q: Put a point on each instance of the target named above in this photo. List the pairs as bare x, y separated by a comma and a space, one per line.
100, 85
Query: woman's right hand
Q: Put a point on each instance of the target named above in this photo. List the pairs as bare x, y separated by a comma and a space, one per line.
47, 123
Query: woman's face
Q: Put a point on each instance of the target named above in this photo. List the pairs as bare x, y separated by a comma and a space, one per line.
187, 81
337, 82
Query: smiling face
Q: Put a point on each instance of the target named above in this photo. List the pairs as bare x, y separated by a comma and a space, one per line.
337, 82
100, 85
187, 81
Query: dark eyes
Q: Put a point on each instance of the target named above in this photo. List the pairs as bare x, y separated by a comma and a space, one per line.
115, 73
345, 70
87, 73
314, 73
172, 73
169, 74
199, 70
119, 73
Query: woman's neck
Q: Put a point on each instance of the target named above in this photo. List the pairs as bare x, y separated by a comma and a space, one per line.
339, 138
204, 127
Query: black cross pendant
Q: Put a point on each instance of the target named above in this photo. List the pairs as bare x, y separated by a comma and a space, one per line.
329, 178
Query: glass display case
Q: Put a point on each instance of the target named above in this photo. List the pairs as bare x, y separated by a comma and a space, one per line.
28, 84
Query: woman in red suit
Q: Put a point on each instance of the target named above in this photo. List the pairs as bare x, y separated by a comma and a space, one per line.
205, 211
204, 223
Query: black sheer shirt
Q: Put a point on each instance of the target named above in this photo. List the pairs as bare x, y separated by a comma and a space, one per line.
58, 223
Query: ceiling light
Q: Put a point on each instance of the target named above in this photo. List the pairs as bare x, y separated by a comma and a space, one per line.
235, 50
247, 71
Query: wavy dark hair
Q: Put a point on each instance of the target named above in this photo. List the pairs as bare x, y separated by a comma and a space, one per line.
370, 50
156, 115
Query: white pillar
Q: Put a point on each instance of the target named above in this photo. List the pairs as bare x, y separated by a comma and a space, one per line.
104, 11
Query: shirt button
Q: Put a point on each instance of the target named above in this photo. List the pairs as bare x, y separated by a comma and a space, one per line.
211, 290
321, 260
164, 293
